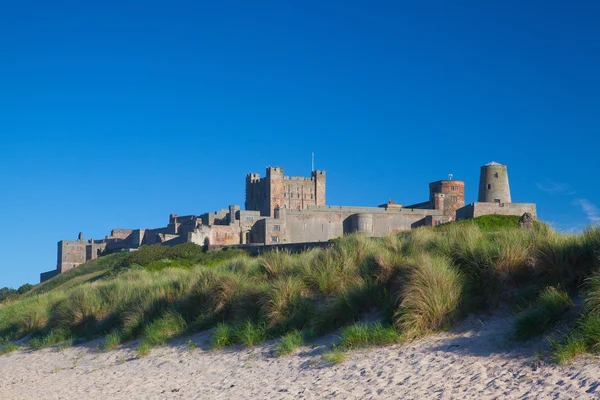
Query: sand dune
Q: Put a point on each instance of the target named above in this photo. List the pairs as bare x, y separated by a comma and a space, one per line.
475, 361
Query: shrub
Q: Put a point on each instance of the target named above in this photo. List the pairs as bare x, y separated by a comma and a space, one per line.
543, 314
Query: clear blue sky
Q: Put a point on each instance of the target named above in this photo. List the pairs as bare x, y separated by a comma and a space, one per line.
116, 114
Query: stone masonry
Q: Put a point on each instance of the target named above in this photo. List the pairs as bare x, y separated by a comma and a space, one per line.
282, 210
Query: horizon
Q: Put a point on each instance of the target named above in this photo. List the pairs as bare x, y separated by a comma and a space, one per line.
117, 115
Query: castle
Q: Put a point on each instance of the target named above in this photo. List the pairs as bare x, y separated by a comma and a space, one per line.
283, 209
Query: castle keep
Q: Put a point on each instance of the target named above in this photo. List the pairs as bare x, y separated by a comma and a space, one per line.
283, 209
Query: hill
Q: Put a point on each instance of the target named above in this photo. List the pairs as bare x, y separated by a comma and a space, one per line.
415, 283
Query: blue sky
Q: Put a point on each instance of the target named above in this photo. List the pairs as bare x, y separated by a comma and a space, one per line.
116, 114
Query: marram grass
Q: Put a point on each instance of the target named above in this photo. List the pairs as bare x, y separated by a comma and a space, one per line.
417, 282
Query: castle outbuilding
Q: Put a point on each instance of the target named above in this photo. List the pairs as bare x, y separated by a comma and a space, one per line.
283, 210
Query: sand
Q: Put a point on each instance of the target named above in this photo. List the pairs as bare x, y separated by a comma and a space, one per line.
476, 360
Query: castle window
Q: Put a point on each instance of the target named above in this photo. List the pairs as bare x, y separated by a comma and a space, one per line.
298, 195
249, 220
311, 196
274, 239
489, 185
495, 174
454, 188
453, 199
276, 227
284, 194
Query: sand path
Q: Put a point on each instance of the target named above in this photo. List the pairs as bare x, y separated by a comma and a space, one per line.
473, 361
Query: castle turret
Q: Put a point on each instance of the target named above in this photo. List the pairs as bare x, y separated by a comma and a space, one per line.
493, 184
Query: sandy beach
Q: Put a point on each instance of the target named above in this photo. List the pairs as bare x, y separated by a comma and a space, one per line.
475, 360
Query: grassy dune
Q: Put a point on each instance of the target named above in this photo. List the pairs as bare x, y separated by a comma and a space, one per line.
416, 283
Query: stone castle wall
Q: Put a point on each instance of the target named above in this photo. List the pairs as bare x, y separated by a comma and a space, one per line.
282, 210
475, 210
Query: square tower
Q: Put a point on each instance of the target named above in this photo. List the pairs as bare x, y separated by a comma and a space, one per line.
276, 190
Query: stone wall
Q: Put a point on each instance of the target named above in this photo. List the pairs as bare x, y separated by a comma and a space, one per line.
44, 276
216, 235
324, 223
120, 234
475, 210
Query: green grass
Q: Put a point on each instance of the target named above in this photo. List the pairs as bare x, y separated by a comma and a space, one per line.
493, 223
366, 335
222, 336
191, 346
49, 339
250, 333
8, 348
584, 337
112, 341
432, 296
162, 329
334, 356
289, 343
186, 255
543, 314
144, 349
96, 267
419, 282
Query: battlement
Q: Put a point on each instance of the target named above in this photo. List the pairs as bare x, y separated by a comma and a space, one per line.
292, 209
286, 192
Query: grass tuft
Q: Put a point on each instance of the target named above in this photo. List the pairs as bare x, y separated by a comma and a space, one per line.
111, 341
250, 333
221, 336
8, 348
543, 314
432, 296
53, 337
144, 349
289, 343
365, 335
160, 330
334, 356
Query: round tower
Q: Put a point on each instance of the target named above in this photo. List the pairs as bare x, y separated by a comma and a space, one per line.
493, 184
